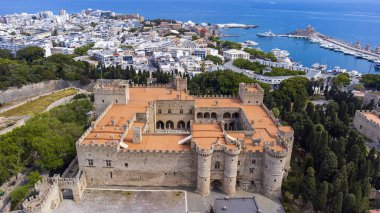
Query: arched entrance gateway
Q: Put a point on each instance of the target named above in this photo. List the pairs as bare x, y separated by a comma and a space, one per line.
216, 185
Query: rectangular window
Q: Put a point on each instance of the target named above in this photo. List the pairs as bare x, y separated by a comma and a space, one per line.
90, 162
190, 111
251, 170
108, 163
159, 111
253, 161
181, 111
238, 172
239, 163
126, 164
169, 111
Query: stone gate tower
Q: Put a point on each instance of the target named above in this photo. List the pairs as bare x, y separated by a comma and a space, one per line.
108, 92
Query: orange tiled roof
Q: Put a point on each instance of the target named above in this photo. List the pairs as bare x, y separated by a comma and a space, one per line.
205, 135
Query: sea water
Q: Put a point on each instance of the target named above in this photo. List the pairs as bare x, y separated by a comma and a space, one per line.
348, 20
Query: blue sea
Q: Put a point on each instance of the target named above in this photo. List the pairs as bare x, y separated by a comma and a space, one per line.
348, 20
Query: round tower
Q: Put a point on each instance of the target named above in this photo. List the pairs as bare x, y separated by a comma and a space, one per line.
203, 172
274, 163
230, 171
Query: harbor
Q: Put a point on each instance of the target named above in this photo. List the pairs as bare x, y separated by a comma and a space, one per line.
327, 42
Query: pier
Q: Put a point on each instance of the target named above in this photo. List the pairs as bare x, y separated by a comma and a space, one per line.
339, 46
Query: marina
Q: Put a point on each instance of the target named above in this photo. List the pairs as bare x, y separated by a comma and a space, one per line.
330, 43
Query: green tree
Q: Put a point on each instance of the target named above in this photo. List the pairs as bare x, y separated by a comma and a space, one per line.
337, 203
214, 59
6, 54
320, 198
308, 185
329, 166
31, 53
83, 49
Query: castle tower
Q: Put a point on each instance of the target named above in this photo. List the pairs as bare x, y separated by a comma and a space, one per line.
108, 92
203, 173
274, 162
180, 84
251, 94
230, 171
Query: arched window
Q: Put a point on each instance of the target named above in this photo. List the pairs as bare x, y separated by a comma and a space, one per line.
199, 115
217, 165
232, 126
207, 115
169, 125
235, 115
213, 115
160, 125
227, 115
181, 125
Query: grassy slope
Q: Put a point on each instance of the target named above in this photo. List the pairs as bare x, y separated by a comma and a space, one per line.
38, 105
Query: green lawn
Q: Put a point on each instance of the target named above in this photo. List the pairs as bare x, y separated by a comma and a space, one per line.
38, 105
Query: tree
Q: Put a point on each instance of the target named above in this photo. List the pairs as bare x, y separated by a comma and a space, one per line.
350, 203
371, 81
194, 38
337, 203
261, 54
215, 59
308, 185
320, 198
31, 53
6, 54
18, 195
341, 80
329, 166
83, 49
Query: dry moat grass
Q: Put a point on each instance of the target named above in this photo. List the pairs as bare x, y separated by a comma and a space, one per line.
38, 105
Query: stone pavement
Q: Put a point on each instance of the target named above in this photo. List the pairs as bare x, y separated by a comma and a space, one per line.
155, 199
122, 201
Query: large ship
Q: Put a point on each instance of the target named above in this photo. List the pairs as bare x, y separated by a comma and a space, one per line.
266, 34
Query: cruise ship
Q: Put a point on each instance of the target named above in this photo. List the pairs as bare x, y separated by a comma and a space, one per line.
266, 34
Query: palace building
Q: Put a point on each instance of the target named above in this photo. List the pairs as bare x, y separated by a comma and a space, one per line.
159, 135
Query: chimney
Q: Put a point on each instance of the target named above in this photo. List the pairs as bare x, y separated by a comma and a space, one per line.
137, 134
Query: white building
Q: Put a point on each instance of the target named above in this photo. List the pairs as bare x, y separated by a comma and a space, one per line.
235, 54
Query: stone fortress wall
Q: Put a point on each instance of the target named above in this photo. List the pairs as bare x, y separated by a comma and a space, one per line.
368, 127
31, 90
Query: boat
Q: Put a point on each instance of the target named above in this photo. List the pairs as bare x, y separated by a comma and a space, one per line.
266, 34
318, 66
377, 66
251, 43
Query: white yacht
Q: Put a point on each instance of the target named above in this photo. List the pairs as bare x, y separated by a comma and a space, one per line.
251, 43
266, 34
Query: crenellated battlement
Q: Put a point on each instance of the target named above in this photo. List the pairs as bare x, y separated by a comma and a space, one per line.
214, 96
361, 114
251, 94
150, 86
44, 189
274, 153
